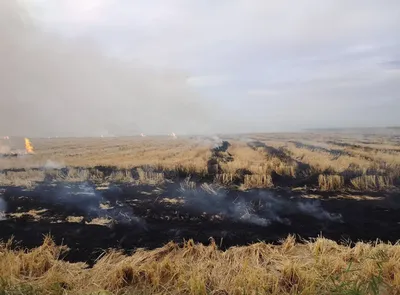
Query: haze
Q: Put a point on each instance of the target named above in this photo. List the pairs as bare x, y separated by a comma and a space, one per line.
86, 68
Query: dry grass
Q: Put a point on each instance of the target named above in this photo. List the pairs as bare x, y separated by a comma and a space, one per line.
330, 182
75, 219
322, 162
127, 152
319, 267
225, 178
73, 175
121, 177
101, 221
244, 157
372, 182
155, 160
31, 178
27, 178
148, 177
172, 201
257, 161
35, 214
258, 181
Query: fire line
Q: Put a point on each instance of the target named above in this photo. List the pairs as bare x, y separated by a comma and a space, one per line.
28, 146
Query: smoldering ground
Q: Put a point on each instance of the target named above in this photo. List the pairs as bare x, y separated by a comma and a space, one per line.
260, 208
66, 87
3, 207
148, 216
84, 199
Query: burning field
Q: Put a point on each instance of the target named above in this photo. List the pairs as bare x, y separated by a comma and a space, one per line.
7, 152
208, 216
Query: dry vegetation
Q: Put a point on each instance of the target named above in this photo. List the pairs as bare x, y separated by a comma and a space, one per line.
327, 162
258, 164
319, 267
319, 162
164, 153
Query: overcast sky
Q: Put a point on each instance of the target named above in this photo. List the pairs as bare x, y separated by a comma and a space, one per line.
236, 65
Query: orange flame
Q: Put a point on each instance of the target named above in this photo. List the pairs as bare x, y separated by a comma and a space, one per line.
28, 146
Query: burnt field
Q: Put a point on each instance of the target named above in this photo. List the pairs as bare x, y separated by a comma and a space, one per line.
90, 219
201, 215
129, 193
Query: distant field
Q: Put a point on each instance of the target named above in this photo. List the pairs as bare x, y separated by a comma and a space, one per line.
328, 162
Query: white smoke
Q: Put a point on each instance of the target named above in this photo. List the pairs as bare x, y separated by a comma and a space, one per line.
72, 78
85, 197
4, 149
50, 164
3, 208
243, 212
265, 208
314, 208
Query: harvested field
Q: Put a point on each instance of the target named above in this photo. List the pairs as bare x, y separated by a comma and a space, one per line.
170, 216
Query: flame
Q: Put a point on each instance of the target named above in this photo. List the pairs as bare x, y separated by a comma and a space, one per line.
28, 146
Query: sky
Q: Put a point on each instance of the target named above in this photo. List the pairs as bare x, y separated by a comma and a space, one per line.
204, 66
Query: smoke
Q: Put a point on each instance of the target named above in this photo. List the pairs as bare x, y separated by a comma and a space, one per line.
217, 141
90, 202
4, 149
210, 141
3, 208
261, 208
314, 208
67, 87
50, 164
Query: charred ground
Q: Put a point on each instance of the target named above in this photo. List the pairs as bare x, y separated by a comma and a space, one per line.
149, 217
130, 193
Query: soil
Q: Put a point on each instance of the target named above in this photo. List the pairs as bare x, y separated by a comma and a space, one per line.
149, 217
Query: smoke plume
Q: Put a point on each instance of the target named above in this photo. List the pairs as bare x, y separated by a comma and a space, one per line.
50, 164
87, 201
3, 207
67, 87
261, 208
4, 149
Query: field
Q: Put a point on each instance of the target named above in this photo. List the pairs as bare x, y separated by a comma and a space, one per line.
301, 213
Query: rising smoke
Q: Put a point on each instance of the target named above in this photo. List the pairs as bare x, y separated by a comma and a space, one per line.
50, 164
4, 149
261, 208
58, 87
84, 197
3, 207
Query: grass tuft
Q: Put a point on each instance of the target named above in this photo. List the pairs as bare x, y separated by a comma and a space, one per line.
317, 267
